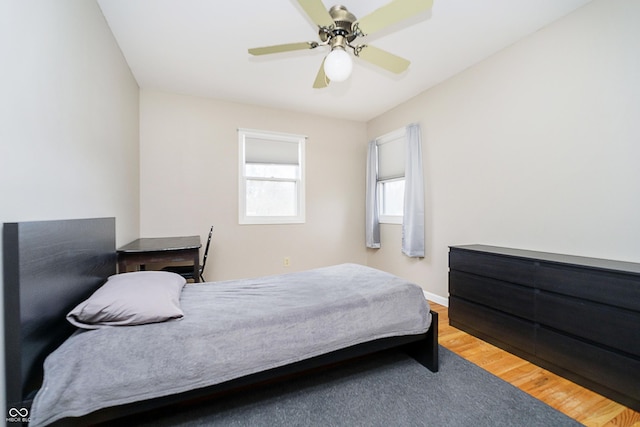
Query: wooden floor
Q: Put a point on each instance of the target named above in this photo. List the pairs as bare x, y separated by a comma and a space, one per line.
581, 404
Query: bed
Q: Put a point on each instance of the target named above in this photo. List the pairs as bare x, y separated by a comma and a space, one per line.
229, 334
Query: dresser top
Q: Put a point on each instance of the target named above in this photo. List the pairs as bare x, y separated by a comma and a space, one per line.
606, 264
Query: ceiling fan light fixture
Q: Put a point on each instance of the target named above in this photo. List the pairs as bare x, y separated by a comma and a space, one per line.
339, 29
338, 65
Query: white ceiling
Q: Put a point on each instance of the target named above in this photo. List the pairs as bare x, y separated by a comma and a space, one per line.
199, 47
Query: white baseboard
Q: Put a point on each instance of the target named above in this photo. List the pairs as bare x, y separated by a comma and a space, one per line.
436, 298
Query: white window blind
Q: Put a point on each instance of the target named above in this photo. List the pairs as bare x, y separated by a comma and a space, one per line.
391, 158
267, 151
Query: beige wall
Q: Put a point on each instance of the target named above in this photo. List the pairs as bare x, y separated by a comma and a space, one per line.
68, 120
536, 147
189, 181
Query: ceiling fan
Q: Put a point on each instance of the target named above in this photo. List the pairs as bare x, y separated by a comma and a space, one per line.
339, 28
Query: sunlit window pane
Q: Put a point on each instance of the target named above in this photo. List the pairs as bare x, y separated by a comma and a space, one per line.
392, 197
271, 198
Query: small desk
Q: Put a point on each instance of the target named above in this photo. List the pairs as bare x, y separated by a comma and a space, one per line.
160, 250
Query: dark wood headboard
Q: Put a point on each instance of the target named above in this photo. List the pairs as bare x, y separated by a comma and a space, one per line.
49, 267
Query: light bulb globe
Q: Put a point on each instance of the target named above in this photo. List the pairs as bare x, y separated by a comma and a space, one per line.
338, 65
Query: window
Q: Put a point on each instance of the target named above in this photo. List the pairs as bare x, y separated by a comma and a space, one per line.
390, 185
271, 177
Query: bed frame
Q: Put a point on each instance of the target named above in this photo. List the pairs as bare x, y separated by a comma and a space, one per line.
51, 266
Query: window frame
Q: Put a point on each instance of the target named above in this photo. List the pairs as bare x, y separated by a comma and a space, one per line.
300, 140
384, 139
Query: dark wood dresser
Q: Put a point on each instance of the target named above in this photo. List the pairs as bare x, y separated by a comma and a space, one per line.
578, 317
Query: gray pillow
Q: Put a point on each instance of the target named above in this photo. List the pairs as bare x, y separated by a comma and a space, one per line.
131, 299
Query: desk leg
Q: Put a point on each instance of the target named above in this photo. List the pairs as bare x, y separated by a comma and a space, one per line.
196, 266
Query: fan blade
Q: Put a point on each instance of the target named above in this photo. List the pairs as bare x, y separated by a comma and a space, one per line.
383, 59
391, 13
317, 12
282, 48
322, 80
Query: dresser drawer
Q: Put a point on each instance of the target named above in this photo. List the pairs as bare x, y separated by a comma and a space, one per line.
502, 296
602, 324
514, 270
610, 369
583, 320
500, 329
612, 288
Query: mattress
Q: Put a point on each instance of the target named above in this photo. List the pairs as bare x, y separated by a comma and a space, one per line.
230, 329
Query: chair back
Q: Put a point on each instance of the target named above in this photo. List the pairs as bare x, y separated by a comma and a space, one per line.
206, 252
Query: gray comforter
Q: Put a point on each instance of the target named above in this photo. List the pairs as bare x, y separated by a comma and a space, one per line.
230, 329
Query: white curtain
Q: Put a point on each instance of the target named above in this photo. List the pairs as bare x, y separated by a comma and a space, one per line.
413, 222
372, 225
